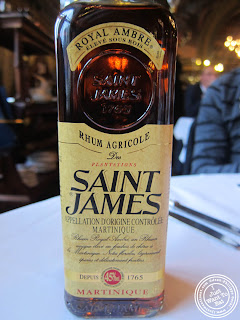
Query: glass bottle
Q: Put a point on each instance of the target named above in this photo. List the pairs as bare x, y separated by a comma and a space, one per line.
116, 68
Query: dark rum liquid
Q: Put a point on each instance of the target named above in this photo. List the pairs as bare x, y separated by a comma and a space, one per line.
116, 88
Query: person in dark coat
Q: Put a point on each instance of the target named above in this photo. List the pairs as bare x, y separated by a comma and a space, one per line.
216, 146
194, 93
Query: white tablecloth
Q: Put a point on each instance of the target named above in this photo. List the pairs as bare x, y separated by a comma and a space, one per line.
31, 265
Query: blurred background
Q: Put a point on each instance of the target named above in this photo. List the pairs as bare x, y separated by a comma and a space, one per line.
209, 39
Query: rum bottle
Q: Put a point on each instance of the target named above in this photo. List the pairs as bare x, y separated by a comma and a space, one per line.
116, 68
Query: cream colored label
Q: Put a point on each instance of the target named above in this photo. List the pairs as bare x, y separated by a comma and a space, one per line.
110, 33
114, 198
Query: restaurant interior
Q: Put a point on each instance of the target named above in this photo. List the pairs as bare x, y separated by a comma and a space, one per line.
180, 261
208, 33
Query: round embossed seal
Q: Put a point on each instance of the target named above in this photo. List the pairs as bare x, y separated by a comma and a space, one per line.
115, 90
216, 296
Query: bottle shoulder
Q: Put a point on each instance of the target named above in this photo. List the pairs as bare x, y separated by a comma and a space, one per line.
78, 17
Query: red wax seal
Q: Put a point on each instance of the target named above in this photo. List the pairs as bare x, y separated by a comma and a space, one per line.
112, 277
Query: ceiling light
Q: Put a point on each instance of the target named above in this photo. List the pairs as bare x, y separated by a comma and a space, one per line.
207, 62
219, 67
198, 62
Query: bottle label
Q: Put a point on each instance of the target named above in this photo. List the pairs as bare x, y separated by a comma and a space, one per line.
112, 33
114, 199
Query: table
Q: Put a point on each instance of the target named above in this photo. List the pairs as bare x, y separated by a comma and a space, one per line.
31, 265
